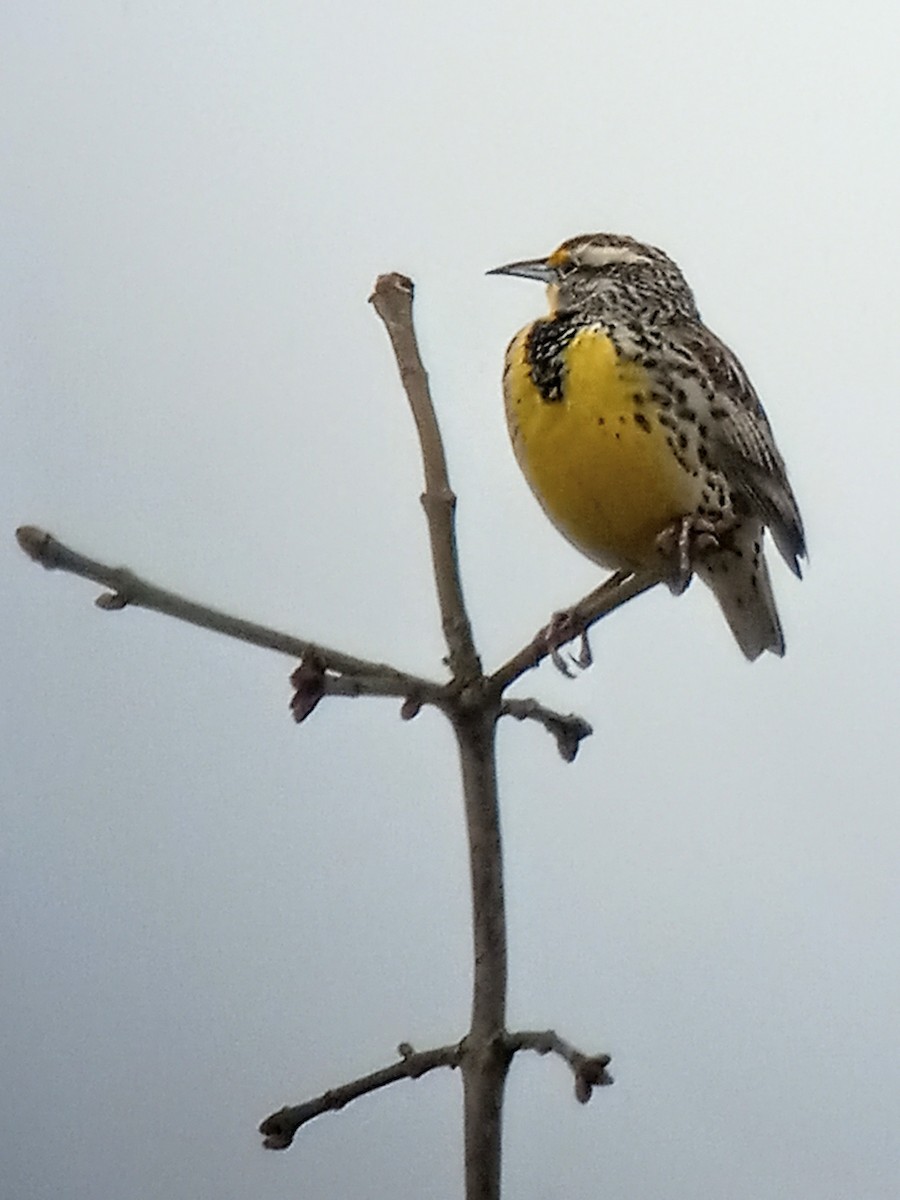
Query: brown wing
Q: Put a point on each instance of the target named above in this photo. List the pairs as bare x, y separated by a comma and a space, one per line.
741, 442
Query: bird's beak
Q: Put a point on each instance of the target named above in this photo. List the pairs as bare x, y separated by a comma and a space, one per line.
532, 268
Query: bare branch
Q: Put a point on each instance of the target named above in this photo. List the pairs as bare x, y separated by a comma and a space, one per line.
312, 684
615, 591
589, 1070
568, 729
392, 299
486, 1062
130, 589
385, 685
473, 704
279, 1129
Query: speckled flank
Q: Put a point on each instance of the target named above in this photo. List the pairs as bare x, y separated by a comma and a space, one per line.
627, 413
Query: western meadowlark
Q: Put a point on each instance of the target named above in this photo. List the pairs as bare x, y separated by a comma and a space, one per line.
641, 435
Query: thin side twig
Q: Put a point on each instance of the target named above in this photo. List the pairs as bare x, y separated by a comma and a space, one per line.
279, 1129
392, 299
589, 1069
568, 728
615, 591
128, 589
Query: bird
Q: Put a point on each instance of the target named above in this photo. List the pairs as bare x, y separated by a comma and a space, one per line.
641, 435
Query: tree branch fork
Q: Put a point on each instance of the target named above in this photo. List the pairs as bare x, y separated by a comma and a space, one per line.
474, 702
325, 671
588, 1071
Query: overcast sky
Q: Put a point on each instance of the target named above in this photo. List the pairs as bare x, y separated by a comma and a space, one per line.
208, 912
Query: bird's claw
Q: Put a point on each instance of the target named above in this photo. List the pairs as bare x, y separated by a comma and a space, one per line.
683, 543
561, 630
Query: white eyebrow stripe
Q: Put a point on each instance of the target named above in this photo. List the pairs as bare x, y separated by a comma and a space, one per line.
600, 256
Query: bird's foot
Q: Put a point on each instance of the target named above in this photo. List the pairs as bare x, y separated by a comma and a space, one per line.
683, 543
562, 629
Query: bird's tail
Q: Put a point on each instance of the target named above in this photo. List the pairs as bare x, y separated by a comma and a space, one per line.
739, 579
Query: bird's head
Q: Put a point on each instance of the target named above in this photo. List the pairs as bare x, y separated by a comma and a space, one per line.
593, 272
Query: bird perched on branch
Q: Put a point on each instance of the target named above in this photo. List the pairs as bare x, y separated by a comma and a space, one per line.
641, 435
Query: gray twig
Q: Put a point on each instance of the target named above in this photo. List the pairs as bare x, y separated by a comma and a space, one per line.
568, 728
589, 1070
615, 591
278, 1130
128, 589
392, 299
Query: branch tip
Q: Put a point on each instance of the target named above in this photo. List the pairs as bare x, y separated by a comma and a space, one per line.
278, 1130
389, 286
568, 729
36, 543
589, 1071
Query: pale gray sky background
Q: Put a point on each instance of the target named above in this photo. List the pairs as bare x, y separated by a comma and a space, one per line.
208, 912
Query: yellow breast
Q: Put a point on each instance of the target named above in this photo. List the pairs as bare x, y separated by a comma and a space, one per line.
598, 458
